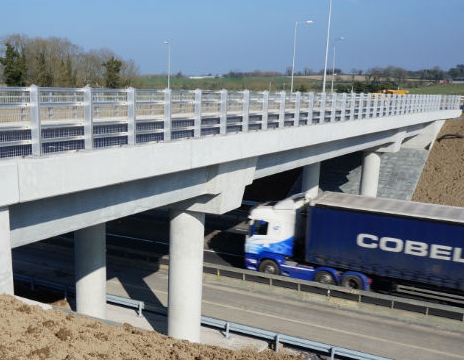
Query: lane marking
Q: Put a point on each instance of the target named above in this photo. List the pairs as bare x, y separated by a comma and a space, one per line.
235, 308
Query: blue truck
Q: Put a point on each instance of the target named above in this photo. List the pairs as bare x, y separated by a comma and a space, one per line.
358, 241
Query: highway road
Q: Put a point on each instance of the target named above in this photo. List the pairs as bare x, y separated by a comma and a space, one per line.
389, 337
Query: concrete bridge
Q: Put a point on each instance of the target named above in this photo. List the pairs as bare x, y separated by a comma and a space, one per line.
74, 159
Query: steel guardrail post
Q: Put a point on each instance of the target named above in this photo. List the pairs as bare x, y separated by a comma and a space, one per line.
197, 114
333, 108
343, 106
310, 107
223, 112
283, 96
246, 110
36, 130
167, 114
265, 116
296, 116
131, 116
322, 108
88, 117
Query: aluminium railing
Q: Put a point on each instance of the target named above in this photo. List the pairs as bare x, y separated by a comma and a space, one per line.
41, 121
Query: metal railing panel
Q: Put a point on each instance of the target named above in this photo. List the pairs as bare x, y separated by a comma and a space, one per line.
35, 121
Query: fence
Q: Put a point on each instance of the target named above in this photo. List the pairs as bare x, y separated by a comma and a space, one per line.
42, 121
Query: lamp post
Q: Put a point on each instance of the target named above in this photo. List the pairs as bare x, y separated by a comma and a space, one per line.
333, 62
169, 63
327, 46
294, 50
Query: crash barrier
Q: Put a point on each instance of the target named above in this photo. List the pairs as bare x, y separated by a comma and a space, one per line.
37, 284
332, 351
330, 293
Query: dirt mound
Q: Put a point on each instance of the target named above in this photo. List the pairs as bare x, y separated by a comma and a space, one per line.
28, 332
442, 179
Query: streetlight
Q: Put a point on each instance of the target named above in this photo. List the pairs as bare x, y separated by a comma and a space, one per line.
294, 50
333, 62
327, 46
169, 63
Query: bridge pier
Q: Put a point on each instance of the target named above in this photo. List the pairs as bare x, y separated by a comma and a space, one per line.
6, 263
90, 270
370, 173
310, 179
187, 233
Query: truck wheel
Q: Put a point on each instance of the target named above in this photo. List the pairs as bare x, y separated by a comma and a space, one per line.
324, 277
352, 282
269, 267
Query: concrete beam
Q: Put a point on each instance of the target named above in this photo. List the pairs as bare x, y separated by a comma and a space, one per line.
227, 182
56, 175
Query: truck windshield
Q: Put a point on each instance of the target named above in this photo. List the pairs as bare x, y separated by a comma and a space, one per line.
258, 227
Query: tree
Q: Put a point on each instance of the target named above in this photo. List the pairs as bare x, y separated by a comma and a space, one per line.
113, 68
15, 69
44, 78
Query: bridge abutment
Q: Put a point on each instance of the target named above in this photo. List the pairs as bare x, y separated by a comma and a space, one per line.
6, 264
185, 274
90, 270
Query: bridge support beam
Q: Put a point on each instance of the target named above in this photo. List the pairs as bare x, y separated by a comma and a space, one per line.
90, 270
370, 174
310, 179
185, 274
6, 264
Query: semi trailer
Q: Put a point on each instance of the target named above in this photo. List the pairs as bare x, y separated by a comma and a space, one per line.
359, 241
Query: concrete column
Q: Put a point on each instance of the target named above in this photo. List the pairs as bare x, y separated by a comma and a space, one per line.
185, 274
370, 174
90, 270
6, 264
310, 180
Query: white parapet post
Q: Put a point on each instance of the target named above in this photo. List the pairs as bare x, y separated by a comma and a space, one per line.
90, 270
310, 180
6, 264
370, 174
185, 274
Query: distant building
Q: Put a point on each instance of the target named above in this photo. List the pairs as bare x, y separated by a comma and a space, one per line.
459, 80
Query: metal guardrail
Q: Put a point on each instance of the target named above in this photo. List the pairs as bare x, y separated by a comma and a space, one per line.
67, 290
42, 121
248, 277
300, 287
278, 339
120, 300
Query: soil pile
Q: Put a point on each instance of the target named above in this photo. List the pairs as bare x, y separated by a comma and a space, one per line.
28, 332
442, 179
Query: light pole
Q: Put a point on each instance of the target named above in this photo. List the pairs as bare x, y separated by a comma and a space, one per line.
327, 46
294, 50
333, 62
169, 63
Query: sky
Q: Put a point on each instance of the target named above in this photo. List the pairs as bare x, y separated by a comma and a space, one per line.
219, 36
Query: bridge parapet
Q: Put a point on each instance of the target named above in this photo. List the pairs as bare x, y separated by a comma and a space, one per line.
42, 121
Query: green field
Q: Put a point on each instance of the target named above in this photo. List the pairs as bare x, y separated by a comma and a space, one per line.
281, 83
